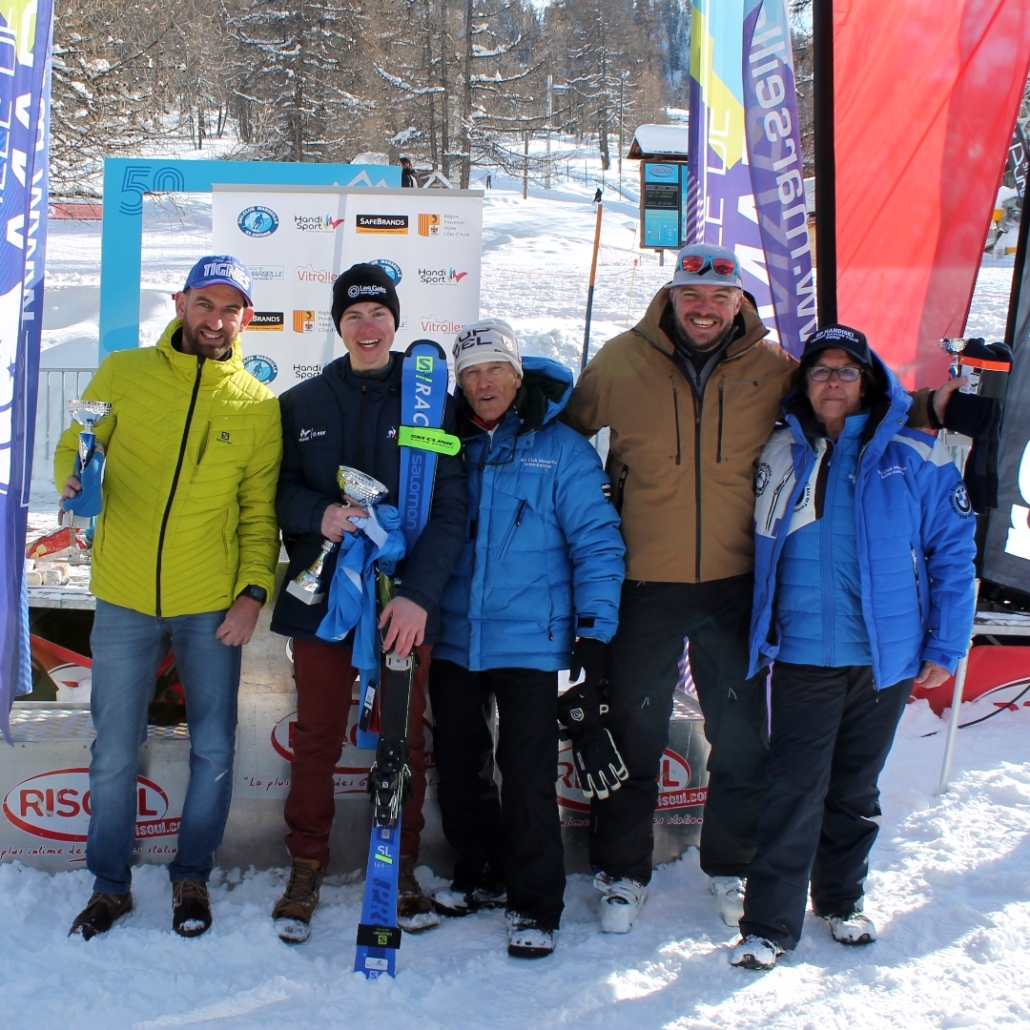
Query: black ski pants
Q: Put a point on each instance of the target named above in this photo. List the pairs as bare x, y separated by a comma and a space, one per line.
831, 733
643, 670
516, 832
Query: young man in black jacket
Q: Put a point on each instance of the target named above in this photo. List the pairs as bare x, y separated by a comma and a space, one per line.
349, 415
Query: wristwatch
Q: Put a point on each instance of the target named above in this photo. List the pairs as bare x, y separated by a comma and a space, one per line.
255, 593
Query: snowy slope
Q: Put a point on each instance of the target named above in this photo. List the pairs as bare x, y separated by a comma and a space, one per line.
950, 889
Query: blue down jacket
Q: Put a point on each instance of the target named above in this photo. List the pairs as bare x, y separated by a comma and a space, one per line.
542, 561
914, 528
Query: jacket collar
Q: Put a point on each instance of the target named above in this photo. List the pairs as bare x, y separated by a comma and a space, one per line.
185, 365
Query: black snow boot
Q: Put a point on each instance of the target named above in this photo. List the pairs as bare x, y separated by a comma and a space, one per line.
100, 913
191, 908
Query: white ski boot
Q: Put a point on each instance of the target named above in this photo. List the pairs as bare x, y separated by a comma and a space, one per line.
755, 953
856, 928
621, 902
729, 898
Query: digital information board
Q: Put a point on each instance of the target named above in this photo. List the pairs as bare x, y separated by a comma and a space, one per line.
663, 196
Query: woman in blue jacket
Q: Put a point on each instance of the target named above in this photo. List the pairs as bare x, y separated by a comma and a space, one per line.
535, 589
863, 584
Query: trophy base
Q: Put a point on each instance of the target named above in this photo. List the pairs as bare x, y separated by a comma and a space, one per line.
72, 521
302, 593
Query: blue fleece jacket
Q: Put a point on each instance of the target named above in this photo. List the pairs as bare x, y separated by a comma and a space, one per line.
913, 532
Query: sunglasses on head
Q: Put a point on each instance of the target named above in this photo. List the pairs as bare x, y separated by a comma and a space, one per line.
698, 263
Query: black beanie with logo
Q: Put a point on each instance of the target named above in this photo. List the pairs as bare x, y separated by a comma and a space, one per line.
364, 283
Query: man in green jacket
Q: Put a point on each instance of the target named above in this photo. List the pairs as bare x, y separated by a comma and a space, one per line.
184, 556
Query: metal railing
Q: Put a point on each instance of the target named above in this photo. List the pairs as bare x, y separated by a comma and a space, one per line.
57, 386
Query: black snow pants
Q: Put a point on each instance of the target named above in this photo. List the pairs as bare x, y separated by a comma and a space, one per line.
831, 733
516, 833
644, 667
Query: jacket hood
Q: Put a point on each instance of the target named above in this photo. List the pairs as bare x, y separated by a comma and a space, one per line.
892, 398
749, 327
546, 389
187, 363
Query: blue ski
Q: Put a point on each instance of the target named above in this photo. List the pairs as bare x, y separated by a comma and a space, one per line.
423, 400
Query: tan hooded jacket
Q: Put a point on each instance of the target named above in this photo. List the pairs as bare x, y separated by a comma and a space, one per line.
682, 468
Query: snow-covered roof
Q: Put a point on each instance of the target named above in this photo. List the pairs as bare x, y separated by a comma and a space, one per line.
660, 141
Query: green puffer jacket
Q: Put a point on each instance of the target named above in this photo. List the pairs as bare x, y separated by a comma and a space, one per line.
193, 449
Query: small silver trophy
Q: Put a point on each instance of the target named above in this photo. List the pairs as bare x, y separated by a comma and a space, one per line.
360, 490
79, 510
954, 345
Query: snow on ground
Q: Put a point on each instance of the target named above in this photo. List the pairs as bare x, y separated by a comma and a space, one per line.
949, 888
950, 881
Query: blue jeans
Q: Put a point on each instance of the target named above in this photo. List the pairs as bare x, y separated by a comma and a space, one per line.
127, 649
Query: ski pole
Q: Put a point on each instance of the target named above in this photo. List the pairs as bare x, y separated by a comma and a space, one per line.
590, 289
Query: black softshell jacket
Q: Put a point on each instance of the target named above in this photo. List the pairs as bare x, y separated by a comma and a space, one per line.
339, 418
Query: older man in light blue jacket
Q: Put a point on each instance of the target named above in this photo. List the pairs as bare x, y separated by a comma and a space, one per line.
536, 589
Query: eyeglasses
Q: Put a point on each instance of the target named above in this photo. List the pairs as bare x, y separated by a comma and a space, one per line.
823, 374
698, 263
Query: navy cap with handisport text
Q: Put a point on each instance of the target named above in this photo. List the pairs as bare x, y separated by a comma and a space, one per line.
221, 270
843, 336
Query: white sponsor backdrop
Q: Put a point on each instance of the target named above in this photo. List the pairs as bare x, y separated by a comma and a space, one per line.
297, 240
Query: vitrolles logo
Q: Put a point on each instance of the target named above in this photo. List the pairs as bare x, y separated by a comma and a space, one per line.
55, 805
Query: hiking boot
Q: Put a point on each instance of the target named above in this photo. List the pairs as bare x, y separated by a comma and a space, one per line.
191, 908
856, 928
755, 953
293, 911
99, 914
414, 910
453, 901
621, 902
729, 897
527, 938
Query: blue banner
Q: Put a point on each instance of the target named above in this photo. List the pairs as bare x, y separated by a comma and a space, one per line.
25, 31
741, 76
777, 170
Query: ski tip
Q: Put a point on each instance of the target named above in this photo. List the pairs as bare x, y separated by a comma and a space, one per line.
427, 343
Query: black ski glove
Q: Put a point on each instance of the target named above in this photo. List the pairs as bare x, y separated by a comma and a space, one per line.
599, 766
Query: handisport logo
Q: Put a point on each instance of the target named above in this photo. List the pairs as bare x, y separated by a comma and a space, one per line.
674, 790
257, 221
391, 268
55, 805
440, 276
263, 369
317, 223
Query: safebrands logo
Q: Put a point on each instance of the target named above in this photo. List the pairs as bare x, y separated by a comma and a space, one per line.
257, 221
317, 223
674, 790
55, 805
307, 274
266, 321
396, 225
440, 276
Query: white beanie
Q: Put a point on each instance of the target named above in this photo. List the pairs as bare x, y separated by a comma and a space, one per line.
490, 339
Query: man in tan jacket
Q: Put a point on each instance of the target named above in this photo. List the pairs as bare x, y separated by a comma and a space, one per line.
691, 394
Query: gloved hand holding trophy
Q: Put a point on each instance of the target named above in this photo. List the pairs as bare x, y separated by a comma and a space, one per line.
359, 490
79, 510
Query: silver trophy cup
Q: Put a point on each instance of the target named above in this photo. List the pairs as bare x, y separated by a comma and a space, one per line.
357, 489
79, 511
954, 345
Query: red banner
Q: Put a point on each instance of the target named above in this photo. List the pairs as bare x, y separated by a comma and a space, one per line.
925, 98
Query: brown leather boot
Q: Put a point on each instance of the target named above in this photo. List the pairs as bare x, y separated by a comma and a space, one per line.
99, 914
293, 911
415, 912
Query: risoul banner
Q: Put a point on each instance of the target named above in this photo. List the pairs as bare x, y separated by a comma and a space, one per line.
25, 28
746, 176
